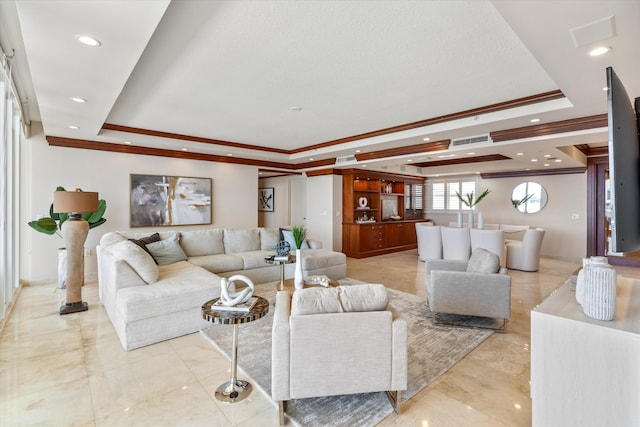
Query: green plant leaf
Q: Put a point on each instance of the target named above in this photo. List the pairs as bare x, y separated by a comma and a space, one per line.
44, 225
94, 217
97, 223
299, 234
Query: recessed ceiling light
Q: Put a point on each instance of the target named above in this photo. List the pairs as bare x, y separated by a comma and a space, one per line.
547, 155
534, 120
310, 158
426, 139
73, 127
547, 164
184, 149
357, 151
78, 100
534, 160
230, 155
444, 156
88, 40
295, 109
128, 142
557, 160
409, 160
519, 154
471, 153
599, 51
364, 166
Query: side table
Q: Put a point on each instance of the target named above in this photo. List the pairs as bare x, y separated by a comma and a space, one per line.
290, 260
234, 390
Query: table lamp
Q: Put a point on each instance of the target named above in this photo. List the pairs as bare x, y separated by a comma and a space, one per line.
74, 232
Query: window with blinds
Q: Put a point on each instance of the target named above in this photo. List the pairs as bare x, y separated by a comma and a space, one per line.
413, 201
442, 194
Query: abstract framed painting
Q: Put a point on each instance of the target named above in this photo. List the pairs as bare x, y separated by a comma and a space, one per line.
265, 199
163, 200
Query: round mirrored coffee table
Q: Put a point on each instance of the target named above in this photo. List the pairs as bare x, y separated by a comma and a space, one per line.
234, 390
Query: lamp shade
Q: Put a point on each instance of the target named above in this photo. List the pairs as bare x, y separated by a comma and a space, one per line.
75, 201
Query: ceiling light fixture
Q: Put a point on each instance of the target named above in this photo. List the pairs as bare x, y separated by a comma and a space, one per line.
409, 160
547, 155
557, 160
74, 127
310, 159
471, 153
128, 142
230, 155
426, 139
547, 164
601, 50
519, 154
88, 40
535, 120
295, 109
184, 149
534, 160
357, 151
78, 100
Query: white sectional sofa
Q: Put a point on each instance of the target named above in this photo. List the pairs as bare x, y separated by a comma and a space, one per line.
148, 303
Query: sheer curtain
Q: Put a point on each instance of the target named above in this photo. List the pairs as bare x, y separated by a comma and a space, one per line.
10, 136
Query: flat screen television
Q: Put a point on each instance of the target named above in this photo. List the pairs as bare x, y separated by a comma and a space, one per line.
624, 167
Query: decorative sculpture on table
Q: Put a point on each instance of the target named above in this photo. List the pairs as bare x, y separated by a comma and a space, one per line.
229, 296
282, 248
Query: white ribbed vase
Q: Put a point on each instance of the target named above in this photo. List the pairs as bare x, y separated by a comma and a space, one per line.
599, 293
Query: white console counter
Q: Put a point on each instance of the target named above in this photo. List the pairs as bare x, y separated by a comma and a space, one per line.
586, 372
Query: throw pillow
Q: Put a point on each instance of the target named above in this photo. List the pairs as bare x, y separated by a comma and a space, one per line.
483, 261
167, 251
155, 237
287, 236
140, 260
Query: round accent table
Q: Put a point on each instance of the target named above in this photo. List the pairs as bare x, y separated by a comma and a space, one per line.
234, 390
281, 262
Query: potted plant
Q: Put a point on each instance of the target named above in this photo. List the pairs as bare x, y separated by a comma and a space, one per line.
470, 201
53, 225
299, 234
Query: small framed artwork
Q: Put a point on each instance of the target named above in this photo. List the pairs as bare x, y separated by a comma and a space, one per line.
265, 199
162, 200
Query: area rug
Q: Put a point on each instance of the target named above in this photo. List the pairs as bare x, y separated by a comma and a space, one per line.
432, 350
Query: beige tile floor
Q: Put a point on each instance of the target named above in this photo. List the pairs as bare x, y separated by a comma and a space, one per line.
71, 371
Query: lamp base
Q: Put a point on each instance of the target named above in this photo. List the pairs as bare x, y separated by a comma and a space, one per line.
74, 307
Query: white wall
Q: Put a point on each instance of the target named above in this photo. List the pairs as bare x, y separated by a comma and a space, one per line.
234, 195
281, 214
324, 200
565, 237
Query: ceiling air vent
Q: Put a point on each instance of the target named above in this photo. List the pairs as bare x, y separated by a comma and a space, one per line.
470, 140
345, 159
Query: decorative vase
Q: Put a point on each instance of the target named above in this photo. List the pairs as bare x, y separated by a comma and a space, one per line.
62, 268
599, 297
470, 219
298, 281
580, 282
459, 219
480, 220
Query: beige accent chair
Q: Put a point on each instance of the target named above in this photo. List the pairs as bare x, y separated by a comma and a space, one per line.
335, 341
429, 241
525, 255
479, 287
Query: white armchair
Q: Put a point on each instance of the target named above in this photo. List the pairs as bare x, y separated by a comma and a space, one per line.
491, 240
429, 241
334, 341
525, 255
478, 287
